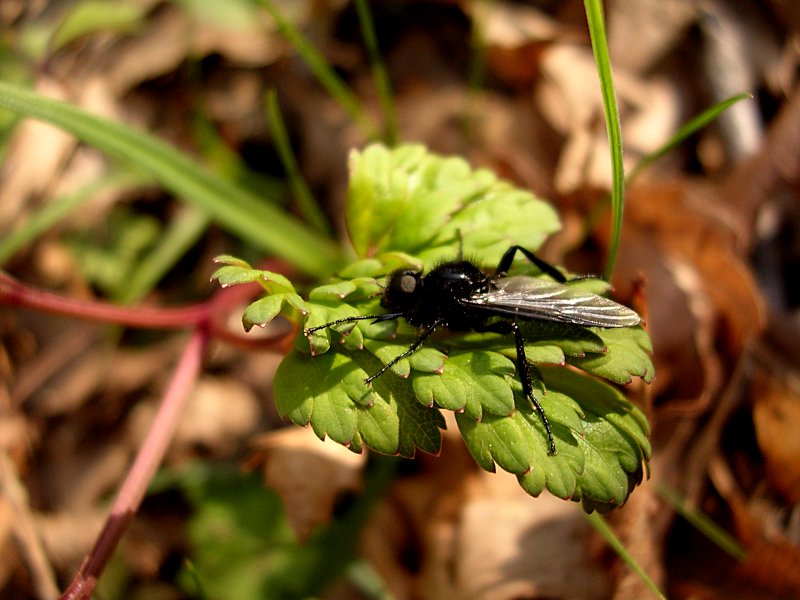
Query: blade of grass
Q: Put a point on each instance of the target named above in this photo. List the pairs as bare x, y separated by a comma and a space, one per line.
684, 132
379, 72
242, 213
612, 540
56, 210
725, 541
594, 17
323, 71
477, 67
305, 199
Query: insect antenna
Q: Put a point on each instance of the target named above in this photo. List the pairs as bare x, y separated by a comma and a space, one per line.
378, 319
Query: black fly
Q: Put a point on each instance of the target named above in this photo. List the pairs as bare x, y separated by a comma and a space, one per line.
458, 296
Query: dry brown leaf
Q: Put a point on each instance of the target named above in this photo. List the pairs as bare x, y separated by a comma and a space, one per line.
219, 414
772, 565
642, 32
7, 548
309, 475
704, 304
503, 545
776, 415
568, 95
35, 156
515, 35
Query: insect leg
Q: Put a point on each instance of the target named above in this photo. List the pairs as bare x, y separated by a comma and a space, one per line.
546, 267
384, 317
523, 371
410, 350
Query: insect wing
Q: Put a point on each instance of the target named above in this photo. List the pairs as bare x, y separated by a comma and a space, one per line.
537, 298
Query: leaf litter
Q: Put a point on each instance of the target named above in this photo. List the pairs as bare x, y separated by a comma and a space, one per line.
724, 397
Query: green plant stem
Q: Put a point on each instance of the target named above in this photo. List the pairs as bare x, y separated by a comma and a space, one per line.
726, 542
379, 72
305, 199
594, 16
612, 540
324, 73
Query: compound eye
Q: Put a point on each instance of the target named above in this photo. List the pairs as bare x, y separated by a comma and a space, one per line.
408, 283
401, 291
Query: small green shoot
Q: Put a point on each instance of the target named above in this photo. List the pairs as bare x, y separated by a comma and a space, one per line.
302, 193
612, 540
323, 71
379, 73
684, 132
725, 541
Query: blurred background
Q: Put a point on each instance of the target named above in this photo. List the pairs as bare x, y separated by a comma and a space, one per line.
247, 508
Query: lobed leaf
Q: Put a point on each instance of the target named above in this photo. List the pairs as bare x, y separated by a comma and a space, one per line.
408, 209
627, 354
411, 201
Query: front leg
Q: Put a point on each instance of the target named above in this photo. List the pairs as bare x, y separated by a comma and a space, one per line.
523, 371
410, 350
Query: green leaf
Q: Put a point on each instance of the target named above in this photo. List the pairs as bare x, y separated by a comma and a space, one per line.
377, 194
602, 445
627, 355
328, 393
322, 392
236, 272
401, 216
408, 200
518, 444
397, 424
264, 310
472, 383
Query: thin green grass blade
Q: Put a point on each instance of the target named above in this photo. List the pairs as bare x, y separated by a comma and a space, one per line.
305, 199
242, 213
682, 134
685, 132
597, 32
725, 541
323, 71
612, 540
477, 66
55, 211
379, 73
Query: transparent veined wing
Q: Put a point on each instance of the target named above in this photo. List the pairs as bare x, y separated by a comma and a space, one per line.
536, 298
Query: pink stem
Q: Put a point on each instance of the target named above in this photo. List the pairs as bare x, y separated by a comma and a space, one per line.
14, 293
144, 467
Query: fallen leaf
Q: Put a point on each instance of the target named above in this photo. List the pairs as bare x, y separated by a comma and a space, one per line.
308, 475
